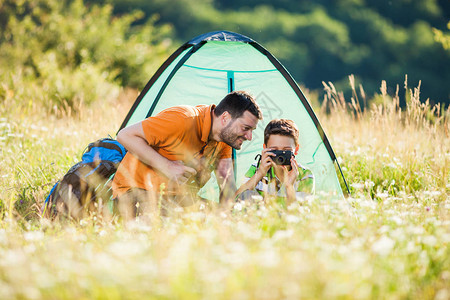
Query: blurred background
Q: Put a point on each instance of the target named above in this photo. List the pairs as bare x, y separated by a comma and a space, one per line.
123, 42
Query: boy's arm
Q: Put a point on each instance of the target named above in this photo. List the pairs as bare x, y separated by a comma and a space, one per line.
264, 166
290, 179
290, 194
249, 184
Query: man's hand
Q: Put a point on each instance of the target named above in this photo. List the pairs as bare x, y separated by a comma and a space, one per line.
177, 172
133, 139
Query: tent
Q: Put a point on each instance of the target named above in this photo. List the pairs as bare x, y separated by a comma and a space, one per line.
206, 68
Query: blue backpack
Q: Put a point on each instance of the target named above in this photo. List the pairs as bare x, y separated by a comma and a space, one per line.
88, 183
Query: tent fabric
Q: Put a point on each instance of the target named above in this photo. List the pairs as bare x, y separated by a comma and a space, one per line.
206, 68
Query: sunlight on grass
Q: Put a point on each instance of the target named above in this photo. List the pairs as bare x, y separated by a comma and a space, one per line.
389, 239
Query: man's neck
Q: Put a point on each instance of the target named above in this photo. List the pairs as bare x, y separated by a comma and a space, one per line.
214, 133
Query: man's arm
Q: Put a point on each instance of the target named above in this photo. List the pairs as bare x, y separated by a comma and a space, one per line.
225, 179
133, 139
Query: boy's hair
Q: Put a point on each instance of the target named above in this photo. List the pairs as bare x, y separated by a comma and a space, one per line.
281, 127
236, 103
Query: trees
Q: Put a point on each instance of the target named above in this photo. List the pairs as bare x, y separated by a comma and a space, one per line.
324, 40
65, 53
110, 42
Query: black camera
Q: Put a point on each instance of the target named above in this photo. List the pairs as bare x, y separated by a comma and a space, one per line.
283, 157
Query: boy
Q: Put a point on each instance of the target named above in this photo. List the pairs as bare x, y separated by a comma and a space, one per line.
269, 178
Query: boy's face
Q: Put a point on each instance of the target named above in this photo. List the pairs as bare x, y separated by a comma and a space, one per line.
281, 142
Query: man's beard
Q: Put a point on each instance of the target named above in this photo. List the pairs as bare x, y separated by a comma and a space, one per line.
230, 138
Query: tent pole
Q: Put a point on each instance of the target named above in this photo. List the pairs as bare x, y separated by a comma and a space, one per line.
342, 174
230, 77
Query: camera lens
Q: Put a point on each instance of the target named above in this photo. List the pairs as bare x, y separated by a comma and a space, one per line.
280, 160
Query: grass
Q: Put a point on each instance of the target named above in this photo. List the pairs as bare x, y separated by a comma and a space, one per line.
390, 239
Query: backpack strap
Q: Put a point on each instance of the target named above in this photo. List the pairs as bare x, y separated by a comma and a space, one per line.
108, 145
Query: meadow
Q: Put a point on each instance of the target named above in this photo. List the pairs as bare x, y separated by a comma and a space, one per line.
389, 239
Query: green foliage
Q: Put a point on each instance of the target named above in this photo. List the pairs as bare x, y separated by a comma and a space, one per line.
71, 54
388, 240
443, 37
324, 40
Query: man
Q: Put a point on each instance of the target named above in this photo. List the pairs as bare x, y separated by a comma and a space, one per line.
171, 155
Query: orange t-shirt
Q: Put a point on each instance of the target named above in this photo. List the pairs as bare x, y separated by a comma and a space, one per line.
177, 133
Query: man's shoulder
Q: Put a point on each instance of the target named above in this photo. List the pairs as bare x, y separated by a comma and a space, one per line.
184, 115
187, 110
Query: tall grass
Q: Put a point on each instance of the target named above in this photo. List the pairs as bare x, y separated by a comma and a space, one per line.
389, 239
389, 150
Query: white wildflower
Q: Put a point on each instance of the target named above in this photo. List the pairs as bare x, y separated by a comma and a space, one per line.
178, 209
383, 195
397, 220
442, 294
369, 184
248, 231
304, 210
446, 238
383, 245
416, 230
282, 234
33, 236
128, 248
238, 206
429, 240
268, 258
433, 193
357, 185
292, 219
31, 292
257, 198
384, 229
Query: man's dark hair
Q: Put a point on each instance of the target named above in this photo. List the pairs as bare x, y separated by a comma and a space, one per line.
236, 103
281, 127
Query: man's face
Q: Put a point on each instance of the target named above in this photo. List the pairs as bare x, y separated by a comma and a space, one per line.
239, 130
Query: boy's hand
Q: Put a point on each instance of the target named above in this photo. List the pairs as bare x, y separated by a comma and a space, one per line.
287, 174
266, 161
292, 175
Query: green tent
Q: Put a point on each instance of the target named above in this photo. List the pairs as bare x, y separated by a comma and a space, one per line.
205, 69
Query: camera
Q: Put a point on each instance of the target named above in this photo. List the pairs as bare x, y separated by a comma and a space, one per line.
283, 157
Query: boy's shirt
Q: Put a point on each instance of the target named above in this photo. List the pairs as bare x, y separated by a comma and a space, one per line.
270, 184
